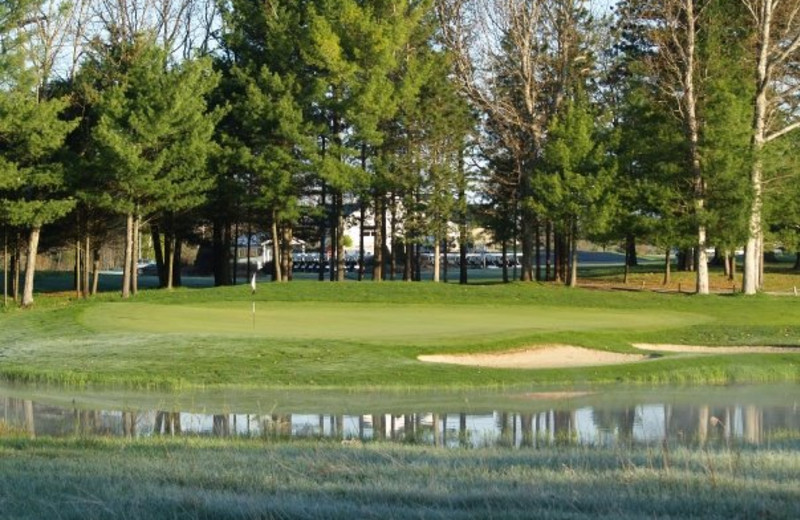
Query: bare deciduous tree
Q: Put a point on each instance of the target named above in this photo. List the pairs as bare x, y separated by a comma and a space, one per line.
776, 24
675, 67
514, 59
183, 27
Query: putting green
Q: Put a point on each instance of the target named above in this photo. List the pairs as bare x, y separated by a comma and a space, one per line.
413, 323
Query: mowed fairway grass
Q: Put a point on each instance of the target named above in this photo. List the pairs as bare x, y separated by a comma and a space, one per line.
353, 335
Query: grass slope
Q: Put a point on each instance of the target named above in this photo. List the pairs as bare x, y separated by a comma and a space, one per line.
232, 479
349, 335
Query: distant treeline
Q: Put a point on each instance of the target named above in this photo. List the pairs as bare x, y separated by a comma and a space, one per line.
195, 121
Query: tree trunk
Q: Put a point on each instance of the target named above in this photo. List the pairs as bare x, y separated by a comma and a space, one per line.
362, 218
797, 261
702, 286
169, 246
235, 246
276, 250
5, 268
693, 131
30, 266
128, 257
462, 257
573, 264
158, 252
437, 262
340, 267
95, 270
168, 257
323, 232
286, 256
667, 264
86, 248
334, 261
504, 260
527, 247
753, 249
730, 261
407, 267
446, 264
393, 249
558, 254
177, 248
538, 250
548, 232
78, 272
135, 255
417, 262
16, 269
380, 238
630, 250
753, 256
726, 264
249, 246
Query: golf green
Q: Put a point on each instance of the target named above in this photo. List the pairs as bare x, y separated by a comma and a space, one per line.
361, 322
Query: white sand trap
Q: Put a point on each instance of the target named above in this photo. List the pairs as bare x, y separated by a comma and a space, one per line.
566, 356
697, 349
545, 356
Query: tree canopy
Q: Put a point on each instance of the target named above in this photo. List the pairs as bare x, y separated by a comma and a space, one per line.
545, 121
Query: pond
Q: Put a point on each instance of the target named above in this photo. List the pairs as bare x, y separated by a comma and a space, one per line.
753, 415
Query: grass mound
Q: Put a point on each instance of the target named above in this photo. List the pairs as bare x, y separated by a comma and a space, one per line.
370, 335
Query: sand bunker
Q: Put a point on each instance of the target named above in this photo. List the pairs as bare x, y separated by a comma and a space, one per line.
549, 356
566, 356
696, 349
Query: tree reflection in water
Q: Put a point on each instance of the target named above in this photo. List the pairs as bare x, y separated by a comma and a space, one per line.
695, 425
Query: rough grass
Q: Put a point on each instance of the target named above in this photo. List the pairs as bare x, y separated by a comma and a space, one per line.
209, 478
349, 335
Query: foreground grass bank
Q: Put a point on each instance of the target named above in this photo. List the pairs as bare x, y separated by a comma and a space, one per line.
207, 478
308, 334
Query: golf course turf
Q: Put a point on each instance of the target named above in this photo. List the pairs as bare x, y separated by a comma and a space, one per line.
308, 334
334, 339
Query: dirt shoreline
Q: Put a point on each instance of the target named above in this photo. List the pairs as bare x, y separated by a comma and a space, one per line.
568, 356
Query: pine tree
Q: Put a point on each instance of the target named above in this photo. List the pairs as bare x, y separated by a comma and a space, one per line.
32, 132
153, 138
728, 118
575, 185
268, 140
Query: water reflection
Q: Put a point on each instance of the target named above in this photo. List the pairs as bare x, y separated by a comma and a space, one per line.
570, 423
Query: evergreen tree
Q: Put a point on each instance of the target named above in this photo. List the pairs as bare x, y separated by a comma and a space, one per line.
153, 139
652, 196
575, 188
359, 51
728, 119
275, 149
268, 140
32, 132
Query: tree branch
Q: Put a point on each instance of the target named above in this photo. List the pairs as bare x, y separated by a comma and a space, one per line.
783, 131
